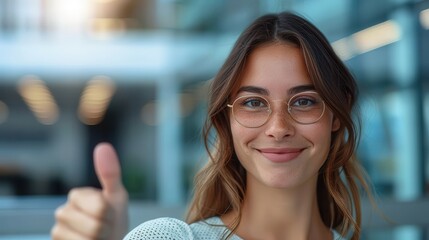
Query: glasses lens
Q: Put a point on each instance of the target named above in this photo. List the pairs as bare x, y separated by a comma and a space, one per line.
306, 107
251, 111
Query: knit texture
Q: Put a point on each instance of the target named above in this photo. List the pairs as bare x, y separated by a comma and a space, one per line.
174, 229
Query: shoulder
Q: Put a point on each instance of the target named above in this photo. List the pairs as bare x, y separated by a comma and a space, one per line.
337, 236
211, 228
172, 228
161, 228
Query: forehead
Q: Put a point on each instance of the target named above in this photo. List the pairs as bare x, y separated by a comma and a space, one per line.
276, 67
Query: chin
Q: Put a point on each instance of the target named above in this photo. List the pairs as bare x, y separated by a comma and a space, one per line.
287, 180
281, 182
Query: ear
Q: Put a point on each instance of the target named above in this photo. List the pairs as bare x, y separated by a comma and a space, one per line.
335, 124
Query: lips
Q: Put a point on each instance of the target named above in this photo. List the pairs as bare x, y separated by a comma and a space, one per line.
280, 155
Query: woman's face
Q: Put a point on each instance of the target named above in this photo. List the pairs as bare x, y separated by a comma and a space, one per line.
281, 153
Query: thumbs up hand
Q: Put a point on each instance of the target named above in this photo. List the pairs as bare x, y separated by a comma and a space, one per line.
91, 213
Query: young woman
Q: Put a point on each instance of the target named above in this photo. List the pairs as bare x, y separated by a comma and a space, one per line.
281, 154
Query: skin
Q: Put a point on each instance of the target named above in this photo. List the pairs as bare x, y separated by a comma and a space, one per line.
91, 213
280, 201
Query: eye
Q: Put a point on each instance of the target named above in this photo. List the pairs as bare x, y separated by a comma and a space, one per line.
253, 103
303, 102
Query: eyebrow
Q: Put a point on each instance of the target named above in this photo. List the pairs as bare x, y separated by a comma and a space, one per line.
254, 89
264, 91
301, 88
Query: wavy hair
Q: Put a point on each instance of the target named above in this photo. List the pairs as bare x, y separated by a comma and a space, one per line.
220, 185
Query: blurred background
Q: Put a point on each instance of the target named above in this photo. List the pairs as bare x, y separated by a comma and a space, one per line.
134, 73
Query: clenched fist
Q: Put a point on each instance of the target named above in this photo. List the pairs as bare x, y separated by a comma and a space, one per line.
91, 213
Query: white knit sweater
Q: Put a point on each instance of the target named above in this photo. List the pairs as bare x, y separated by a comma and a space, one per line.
175, 229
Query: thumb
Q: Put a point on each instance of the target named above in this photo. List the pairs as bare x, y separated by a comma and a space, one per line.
108, 171
107, 168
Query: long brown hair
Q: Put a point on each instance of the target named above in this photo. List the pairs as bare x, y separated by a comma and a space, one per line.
221, 183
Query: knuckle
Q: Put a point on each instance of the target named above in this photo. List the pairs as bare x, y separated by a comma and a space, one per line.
55, 232
98, 229
100, 205
75, 193
59, 212
89, 200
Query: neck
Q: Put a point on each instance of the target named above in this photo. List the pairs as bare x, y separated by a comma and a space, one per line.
271, 213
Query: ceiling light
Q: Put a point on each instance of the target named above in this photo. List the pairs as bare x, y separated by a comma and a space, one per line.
376, 36
69, 16
424, 18
344, 48
39, 99
368, 39
95, 100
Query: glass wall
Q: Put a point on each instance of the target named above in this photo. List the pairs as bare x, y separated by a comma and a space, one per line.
135, 73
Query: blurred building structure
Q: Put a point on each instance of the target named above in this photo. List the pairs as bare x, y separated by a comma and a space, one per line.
135, 73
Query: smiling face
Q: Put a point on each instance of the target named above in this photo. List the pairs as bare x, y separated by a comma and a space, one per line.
281, 153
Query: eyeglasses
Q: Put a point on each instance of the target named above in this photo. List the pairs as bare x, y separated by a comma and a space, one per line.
253, 111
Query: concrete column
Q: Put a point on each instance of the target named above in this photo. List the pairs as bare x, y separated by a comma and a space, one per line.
405, 113
169, 161
404, 62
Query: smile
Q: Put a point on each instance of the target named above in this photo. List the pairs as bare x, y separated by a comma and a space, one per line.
280, 155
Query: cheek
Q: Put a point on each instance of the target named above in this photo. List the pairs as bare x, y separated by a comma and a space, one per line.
241, 137
238, 142
238, 133
321, 133
318, 135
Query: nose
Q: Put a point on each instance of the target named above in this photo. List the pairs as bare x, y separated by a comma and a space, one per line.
280, 125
